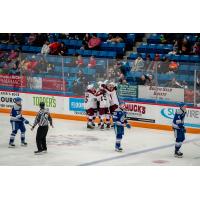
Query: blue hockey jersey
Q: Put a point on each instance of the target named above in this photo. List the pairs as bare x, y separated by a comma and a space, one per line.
16, 113
178, 121
119, 117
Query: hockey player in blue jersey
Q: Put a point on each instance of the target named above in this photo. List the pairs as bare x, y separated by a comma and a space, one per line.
17, 122
179, 129
119, 121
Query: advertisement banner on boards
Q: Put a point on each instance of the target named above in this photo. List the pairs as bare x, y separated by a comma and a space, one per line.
126, 90
53, 84
161, 93
13, 81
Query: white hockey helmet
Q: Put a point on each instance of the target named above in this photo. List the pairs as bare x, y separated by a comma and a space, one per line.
90, 87
113, 84
106, 82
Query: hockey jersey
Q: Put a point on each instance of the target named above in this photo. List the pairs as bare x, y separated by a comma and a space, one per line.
90, 100
103, 98
43, 118
113, 97
178, 121
119, 117
16, 113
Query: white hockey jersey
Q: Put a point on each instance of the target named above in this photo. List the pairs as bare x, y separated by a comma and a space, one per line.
90, 100
113, 97
103, 98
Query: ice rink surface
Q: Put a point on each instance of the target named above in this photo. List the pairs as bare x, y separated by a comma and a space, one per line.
71, 144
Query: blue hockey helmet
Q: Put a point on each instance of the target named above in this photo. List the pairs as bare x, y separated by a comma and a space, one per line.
17, 99
181, 104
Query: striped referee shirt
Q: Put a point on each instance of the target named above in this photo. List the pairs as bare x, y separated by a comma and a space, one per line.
43, 118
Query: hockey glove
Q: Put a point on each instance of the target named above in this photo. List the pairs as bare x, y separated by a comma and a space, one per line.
128, 126
26, 121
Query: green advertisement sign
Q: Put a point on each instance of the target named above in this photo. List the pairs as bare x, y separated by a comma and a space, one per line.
128, 90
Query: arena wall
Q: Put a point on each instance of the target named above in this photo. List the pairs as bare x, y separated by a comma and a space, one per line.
143, 115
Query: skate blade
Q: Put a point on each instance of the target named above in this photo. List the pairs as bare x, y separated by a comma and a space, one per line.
177, 156
38, 153
117, 150
12, 147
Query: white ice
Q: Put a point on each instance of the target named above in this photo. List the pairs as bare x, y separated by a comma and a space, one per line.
70, 143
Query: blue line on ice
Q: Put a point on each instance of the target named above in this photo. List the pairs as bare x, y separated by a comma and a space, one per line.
134, 153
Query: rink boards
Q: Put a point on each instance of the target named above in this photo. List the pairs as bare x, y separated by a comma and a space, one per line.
72, 108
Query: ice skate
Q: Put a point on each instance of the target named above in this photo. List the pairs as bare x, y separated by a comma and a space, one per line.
11, 145
90, 126
108, 126
178, 154
24, 144
119, 149
38, 152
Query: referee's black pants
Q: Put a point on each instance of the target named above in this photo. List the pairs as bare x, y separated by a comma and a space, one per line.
41, 138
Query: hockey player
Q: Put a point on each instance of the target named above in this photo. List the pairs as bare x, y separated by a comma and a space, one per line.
90, 105
43, 119
104, 105
120, 121
112, 92
179, 129
17, 122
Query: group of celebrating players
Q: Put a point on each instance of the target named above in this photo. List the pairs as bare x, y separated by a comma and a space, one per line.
101, 102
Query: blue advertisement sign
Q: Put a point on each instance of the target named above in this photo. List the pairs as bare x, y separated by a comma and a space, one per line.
192, 115
76, 104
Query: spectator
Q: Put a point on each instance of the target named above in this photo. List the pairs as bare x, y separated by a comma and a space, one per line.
185, 47
14, 70
121, 77
85, 41
54, 48
32, 38
148, 62
149, 80
196, 48
13, 55
138, 64
94, 42
77, 90
45, 48
155, 64
79, 62
92, 62
62, 49
80, 75
173, 66
164, 65
173, 52
29, 66
40, 39
117, 39
142, 80
110, 37
174, 84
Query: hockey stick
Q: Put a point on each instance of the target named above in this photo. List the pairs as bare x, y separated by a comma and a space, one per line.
30, 125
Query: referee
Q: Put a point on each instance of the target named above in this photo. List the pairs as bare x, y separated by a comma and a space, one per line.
43, 119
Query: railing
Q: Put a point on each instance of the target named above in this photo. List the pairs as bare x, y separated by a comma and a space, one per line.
139, 80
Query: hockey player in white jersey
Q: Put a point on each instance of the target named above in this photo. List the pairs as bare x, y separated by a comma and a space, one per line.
104, 104
111, 90
90, 105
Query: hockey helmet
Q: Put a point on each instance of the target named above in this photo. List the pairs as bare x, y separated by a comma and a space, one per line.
90, 87
42, 105
181, 104
17, 99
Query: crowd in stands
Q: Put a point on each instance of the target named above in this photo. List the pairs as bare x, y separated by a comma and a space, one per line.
118, 69
181, 43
